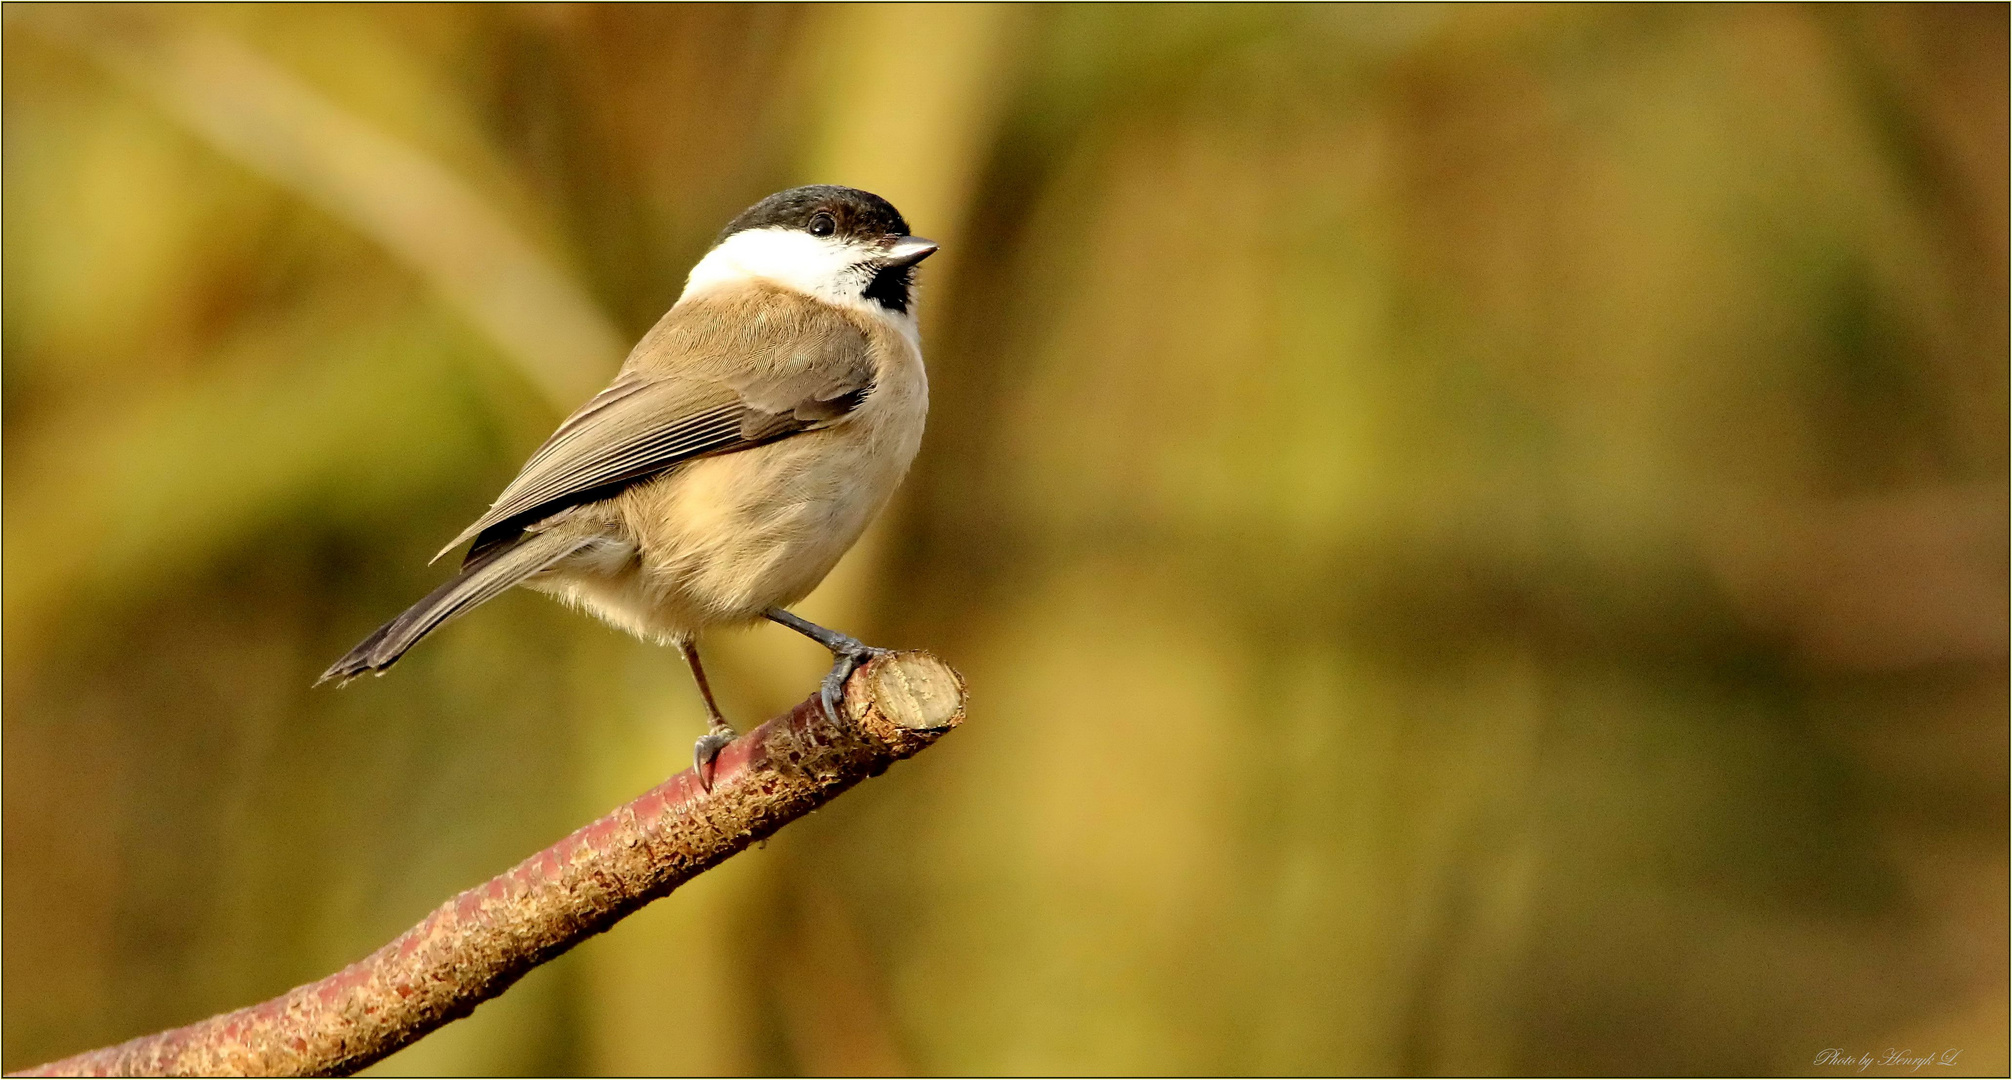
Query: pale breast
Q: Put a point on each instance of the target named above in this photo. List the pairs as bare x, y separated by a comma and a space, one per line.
720, 539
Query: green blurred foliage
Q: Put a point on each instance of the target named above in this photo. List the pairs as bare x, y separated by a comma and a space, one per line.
1477, 536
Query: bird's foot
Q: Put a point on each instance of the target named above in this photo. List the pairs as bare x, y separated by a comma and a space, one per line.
708, 748
844, 662
847, 654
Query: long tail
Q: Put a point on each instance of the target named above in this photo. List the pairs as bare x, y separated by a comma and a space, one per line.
484, 577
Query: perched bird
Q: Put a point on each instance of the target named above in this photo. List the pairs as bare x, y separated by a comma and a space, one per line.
743, 447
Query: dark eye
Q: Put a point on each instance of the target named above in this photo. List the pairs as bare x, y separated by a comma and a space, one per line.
823, 224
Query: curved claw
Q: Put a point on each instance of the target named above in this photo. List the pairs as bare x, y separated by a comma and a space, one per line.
832, 690
704, 751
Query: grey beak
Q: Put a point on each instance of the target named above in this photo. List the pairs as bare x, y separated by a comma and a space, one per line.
907, 251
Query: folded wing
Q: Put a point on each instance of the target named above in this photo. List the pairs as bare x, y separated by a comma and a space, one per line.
694, 396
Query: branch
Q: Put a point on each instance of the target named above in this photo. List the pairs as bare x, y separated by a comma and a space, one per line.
474, 946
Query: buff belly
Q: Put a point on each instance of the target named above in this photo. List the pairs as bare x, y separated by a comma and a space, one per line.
730, 536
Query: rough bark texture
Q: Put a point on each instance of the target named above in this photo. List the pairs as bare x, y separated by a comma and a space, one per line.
474, 946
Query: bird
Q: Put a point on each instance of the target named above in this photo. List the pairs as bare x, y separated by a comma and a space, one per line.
744, 445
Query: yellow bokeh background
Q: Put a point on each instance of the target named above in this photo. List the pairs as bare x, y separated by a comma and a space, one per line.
1477, 535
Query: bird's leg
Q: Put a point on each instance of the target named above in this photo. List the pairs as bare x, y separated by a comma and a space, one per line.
718, 732
847, 653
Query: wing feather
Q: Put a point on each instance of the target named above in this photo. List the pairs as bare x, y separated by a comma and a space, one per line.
691, 389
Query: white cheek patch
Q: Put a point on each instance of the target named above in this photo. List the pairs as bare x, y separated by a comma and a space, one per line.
827, 269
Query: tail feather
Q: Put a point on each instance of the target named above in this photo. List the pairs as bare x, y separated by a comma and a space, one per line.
480, 580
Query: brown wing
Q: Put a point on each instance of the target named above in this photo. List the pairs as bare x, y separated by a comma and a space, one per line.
705, 381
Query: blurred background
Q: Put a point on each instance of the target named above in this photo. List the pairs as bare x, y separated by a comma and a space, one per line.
1478, 536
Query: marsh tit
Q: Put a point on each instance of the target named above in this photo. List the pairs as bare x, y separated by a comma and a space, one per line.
745, 444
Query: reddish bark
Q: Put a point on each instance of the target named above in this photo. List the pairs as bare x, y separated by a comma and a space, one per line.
474, 946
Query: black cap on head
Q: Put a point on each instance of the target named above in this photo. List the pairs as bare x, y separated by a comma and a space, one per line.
851, 213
